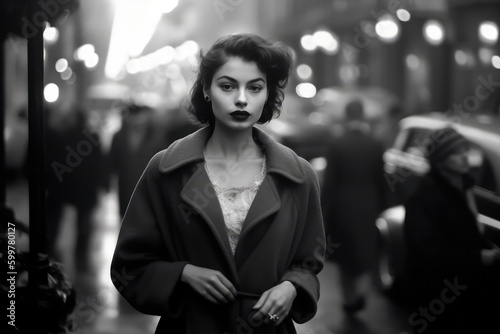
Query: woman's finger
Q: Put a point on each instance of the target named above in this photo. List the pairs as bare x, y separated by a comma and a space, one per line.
263, 312
222, 290
211, 299
217, 295
261, 300
229, 286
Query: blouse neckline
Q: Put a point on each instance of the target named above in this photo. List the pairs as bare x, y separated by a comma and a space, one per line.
254, 185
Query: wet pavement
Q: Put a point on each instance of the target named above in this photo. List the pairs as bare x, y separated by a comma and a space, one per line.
100, 309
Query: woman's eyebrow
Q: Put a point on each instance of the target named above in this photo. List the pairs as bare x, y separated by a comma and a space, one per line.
234, 80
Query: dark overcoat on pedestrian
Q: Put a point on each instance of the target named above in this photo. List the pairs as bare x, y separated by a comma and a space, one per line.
441, 232
443, 263
174, 218
353, 194
127, 163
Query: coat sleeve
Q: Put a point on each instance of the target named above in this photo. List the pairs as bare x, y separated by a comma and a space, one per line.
142, 269
309, 258
328, 190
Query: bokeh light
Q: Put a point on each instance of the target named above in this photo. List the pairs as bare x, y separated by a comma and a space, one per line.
304, 71
488, 32
51, 92
387, 29
403, 15
308, 43
51, 35
91, 61
83, 52
66, 75
412, 61
306, 90
61, 65
495, 61
327, 41
434, 32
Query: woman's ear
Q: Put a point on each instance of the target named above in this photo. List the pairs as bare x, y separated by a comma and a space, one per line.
206, 90
206, 96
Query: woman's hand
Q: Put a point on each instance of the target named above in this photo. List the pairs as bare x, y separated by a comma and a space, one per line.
210, 284
275, 302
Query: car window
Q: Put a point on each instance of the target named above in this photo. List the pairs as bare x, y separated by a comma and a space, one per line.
482, 169
415, 139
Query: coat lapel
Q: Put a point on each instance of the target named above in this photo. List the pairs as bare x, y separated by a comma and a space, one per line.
200, 195
266, 202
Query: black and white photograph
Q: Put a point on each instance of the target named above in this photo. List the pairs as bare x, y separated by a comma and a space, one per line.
250, 166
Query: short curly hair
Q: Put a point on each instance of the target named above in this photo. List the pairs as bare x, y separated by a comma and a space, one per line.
272, 58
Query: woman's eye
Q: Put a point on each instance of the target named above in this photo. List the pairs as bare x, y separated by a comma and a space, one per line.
226, 86
255, 89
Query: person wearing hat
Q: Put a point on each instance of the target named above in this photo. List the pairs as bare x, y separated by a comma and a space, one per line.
446, 251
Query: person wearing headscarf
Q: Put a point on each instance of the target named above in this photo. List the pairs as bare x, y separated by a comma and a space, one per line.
446, 250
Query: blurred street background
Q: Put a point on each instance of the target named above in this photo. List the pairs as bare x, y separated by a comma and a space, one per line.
117, 74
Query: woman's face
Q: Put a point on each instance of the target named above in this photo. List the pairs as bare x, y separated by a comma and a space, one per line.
238, 93
458, 161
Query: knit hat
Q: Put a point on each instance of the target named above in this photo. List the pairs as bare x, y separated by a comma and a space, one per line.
440, 143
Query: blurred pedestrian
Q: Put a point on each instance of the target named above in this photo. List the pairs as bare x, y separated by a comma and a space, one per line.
74, 176
138, 140
224, 232
353, 195
180, 124
447, 253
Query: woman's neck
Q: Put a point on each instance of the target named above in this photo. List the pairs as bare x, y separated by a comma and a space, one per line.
233, 145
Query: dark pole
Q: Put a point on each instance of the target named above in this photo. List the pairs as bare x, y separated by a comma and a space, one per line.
3, 181
36, 143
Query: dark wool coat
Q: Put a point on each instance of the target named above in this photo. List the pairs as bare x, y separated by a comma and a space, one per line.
444, 258
441, 232
127, 163
174, 218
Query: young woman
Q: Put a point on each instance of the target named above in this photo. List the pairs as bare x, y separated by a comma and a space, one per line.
224, 231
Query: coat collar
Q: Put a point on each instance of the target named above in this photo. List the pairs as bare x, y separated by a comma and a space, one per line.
279, 158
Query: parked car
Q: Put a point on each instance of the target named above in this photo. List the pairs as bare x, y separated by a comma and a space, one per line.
405, 165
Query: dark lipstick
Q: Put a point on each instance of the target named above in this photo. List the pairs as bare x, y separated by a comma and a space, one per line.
240, 114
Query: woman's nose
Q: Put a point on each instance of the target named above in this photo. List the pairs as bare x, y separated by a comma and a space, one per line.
241, 100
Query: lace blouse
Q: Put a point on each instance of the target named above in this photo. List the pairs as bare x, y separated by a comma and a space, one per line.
235, 203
